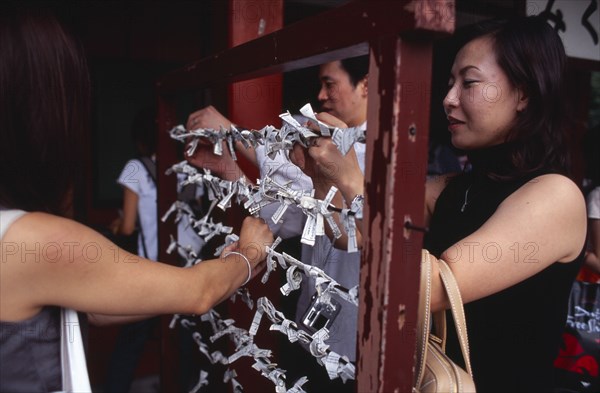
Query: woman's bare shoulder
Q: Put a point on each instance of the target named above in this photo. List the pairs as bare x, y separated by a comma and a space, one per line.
556, 188
42, 236
38, 226
556, 206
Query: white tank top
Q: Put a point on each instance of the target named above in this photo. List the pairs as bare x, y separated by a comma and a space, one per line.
7, 217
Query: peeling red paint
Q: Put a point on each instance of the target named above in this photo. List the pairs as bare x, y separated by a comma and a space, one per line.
401, 316
394, 191
433, 14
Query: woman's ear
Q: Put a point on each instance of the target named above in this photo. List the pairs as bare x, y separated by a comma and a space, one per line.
523, 100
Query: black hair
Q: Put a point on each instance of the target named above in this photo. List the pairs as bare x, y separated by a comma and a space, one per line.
533, 57
44, 110
356, 67
144, 131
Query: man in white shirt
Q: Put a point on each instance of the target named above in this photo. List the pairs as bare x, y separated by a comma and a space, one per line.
343, 94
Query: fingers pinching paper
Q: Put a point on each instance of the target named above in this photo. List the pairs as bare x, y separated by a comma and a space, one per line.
253, 197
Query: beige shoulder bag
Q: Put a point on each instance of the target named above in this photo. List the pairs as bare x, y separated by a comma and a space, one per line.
435, 371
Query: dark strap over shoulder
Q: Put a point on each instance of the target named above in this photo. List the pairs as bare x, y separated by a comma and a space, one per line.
187, 193
150, 167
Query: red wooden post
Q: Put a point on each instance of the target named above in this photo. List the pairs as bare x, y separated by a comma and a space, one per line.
254, 102
397, 134
397, 140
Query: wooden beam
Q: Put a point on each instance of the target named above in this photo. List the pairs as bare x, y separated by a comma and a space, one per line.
338, 33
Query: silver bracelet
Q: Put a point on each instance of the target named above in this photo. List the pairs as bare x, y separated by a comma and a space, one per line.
247, 263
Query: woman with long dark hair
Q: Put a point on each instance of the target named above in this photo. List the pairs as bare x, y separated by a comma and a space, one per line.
50, 262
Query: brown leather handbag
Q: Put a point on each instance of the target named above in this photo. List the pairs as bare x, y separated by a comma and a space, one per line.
435, 371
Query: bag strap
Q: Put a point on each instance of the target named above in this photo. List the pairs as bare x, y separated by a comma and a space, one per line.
458, 312
424, 315
73, 362
151, 169
187, 193
150, 166
141, 230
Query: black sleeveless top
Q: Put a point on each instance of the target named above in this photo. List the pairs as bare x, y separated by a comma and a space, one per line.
514, 335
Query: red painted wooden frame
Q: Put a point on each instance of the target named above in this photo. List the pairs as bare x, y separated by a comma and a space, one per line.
399, 36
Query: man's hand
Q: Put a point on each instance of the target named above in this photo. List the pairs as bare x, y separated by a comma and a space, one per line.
207, 117
210, 117
223, 166
326, 165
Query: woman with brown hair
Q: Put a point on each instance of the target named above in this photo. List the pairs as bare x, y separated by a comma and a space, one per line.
50, 262
512, 226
